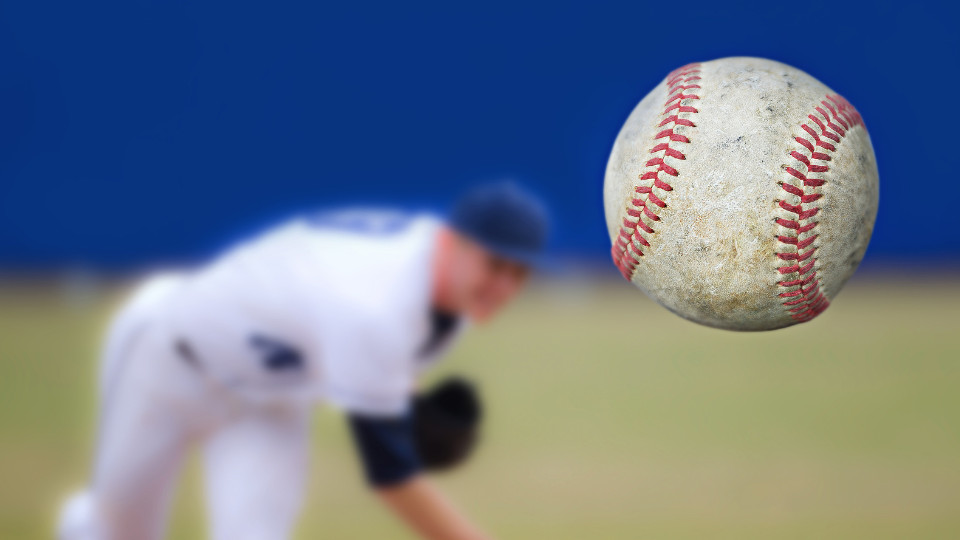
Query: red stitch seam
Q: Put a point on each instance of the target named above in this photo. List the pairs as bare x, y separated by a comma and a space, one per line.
828, 125
642, 210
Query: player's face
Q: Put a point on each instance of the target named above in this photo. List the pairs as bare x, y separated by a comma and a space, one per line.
486, 281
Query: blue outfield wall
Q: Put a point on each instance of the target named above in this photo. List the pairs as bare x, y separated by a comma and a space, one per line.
137, 131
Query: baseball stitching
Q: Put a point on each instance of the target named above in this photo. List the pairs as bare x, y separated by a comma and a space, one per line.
681, 87
802, 296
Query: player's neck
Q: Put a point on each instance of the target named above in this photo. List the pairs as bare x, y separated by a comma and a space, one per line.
441, 283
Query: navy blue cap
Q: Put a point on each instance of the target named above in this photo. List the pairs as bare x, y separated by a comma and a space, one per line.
505, 219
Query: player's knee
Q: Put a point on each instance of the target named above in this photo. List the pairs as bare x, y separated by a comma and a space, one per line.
79, 519
254, 532
270, 522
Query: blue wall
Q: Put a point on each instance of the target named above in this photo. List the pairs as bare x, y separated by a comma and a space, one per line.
131, 131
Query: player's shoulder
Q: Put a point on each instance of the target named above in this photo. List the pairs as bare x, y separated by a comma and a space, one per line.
345, 235
362, 221
356, 259
371, 225
382, 256
371, 237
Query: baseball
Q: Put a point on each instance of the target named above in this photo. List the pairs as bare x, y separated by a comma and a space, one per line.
741, 194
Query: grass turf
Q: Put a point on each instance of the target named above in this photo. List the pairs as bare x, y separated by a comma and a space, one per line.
608, 418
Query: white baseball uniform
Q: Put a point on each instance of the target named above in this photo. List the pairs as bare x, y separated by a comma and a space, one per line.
332, 308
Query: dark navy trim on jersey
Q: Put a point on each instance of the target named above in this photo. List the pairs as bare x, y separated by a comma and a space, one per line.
386, 447
442, 327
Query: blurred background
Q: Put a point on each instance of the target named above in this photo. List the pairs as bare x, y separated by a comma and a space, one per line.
140, 133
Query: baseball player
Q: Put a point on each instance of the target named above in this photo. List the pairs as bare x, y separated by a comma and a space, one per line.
343, 308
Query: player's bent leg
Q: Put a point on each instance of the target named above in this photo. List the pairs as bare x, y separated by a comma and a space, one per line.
256, 469
145, 433
147, 398
79, 519
136, 472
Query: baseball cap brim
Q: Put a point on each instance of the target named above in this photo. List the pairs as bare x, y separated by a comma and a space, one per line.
535, 260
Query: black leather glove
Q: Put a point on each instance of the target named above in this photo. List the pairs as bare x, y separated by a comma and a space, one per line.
447, 423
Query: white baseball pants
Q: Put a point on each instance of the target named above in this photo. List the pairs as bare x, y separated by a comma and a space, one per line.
155, 406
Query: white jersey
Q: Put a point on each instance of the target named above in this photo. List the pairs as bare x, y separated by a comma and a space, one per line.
334, 307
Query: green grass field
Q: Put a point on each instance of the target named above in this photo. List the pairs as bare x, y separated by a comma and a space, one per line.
609, 418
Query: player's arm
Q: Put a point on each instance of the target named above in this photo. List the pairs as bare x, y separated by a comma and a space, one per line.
393, 469
427, 511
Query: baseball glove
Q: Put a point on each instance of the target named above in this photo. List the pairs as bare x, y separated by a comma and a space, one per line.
447, 423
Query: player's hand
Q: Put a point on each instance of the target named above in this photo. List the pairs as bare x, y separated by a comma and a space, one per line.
424, 508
